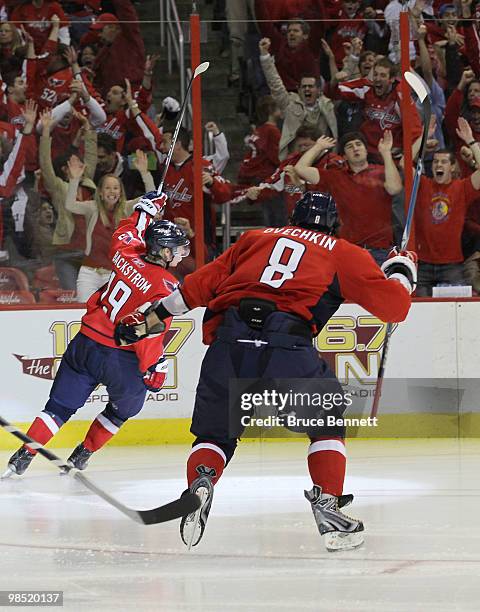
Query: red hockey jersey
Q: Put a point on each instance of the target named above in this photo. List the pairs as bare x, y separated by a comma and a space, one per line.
262, 154
379, 114
280, 181
12, 112
343, 31
37, 21
179, 186
133, 282
305, 272
120, 122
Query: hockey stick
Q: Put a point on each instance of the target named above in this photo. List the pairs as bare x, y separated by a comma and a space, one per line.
423, 95
198, 70
180, 507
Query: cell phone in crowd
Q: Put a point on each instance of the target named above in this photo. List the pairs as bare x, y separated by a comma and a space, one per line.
151, 157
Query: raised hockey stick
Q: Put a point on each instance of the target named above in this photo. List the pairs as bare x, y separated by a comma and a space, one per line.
180, 507
419, 88
198, 70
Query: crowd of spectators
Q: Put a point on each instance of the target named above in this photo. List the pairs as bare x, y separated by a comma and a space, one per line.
333, 69
81, 140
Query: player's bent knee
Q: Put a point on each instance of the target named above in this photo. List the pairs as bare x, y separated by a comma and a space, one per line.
112, 415
60, 414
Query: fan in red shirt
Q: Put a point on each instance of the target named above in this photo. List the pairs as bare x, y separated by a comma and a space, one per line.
261, 158
381, 106
348, 26
50, 75
179, 186
296, 54
448, 16
12, 161
120, 119
12, 107
285, 180
36, 18
440, 213
363, 191
122, 52
265, 297
463, 101
142, 249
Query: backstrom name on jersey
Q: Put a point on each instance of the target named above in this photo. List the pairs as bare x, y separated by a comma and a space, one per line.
131, 273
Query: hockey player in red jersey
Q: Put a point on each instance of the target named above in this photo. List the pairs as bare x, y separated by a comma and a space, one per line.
266, 297
142, 250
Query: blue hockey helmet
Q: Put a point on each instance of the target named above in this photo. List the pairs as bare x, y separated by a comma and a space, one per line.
165, 234
316, 210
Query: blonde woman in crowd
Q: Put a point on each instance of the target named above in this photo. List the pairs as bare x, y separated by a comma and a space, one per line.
102, 216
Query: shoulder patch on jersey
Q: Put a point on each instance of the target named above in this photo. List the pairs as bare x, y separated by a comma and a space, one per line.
169, 286
53, 82
127, 237
138, 262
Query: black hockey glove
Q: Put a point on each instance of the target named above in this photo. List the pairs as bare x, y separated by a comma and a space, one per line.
138, 325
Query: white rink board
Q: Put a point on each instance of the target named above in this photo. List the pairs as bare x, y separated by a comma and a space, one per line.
425, 346
42, 339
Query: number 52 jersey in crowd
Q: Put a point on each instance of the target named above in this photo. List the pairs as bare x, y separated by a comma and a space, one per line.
133, 282
304, 272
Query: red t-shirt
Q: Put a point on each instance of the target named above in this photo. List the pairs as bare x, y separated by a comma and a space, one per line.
262, 155
439, 219
364, 207
37, 21
300, 270
133, 282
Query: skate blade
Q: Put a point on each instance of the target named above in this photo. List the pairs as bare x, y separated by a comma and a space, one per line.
64, 471
336, 540
194, 524
7, 474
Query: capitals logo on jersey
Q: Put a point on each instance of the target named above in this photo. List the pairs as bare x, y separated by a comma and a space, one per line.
53, 82
386, 116
178, 195
169, 286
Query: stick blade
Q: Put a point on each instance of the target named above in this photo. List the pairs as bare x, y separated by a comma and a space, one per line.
201, 68
180, 507
416, 83
186, 504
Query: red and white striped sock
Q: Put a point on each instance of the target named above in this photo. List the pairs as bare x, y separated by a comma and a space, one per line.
208, 454
100, 432
42, 430
327, 462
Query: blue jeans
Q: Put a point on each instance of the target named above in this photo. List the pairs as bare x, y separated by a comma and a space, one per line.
430, 275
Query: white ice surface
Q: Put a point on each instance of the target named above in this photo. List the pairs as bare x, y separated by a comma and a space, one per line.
419, 500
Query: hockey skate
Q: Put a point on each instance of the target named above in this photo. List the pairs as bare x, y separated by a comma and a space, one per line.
341, 532
192, 526
79, 457
18, 462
